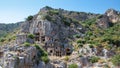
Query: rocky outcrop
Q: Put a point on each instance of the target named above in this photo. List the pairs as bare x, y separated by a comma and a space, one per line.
113, 15
22, 57
110, 17
51, 29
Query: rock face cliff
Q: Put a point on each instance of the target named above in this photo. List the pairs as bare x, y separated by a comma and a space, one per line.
110, 17
52, 29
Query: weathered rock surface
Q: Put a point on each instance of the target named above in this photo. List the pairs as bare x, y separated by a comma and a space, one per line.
110, 17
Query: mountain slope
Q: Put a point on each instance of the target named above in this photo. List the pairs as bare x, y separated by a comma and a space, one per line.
59, 38
7, 28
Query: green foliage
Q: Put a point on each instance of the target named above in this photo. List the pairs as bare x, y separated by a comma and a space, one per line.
106, 66
99, 16
89, 33
73, 66
77, 36
45, 59
31, 36
42, 54
66, 21
80, 45
2, 39
47, 17
116, 60
89, 22
29, 18
26, 44
94, 59
66, 58
5, 29
81, 41
52, 12
47, 7
41, 50
91, 46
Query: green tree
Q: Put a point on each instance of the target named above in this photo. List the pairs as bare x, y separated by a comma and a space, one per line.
29, 18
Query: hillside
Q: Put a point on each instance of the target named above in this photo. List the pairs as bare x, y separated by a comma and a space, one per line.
57, 38
6, 28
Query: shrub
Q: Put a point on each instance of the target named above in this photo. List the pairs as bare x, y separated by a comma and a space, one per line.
79, 41
37, 46
66, 58
48, 7
116, 60
77, 36
91, 46
26, 44
41, 51
52, 12
73, 66
45, 59
42, 54
108, 47
99, 16
106, 66
29, 18
94, 59
66, 21
47, 17
80, 45
31, 36
2, 39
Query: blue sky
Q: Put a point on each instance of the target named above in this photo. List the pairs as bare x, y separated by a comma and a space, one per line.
12, 11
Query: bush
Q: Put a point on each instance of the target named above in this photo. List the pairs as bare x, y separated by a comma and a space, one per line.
77, 36
91, 46
116, 60
2, 39
29, 18
42, 54
79, 41
31, 36
52, 12
45, 59
66, 58
94, 59
66, 21
47, 17
41, 51
37, 46
26, 44
80, 45
106, 66
99, 16
73, 66
47, 7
